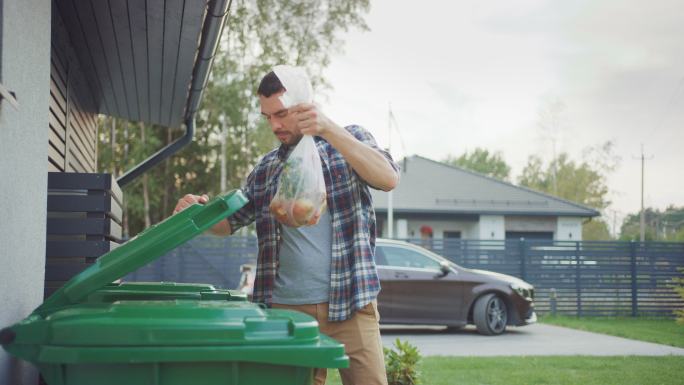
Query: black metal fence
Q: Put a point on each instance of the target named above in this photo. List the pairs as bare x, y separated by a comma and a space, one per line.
585, 278
593, 278
205, 259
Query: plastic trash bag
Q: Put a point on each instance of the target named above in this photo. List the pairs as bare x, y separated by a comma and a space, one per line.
300, 199
297, 85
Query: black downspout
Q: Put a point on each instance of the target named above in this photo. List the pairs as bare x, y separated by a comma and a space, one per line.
211, 33
161, 155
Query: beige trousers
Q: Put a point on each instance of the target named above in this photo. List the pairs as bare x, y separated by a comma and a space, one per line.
361, 338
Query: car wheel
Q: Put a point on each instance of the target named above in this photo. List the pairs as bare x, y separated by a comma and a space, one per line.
490, 315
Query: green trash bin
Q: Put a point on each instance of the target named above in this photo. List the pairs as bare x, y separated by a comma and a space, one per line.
93, 332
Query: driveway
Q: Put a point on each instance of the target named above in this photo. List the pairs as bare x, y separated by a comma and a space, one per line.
531, 340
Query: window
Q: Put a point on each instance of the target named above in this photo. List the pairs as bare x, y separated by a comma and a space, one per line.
403, 257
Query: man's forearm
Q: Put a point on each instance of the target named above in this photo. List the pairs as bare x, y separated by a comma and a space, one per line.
221, 229
370, 164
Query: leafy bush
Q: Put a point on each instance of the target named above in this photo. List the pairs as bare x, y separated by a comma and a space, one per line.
402, 364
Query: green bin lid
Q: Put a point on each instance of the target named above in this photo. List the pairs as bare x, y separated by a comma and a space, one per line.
160, 286
147, 246
174, 331
162, 291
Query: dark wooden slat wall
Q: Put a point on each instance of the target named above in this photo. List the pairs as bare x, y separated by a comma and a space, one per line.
82, 141
138, 26
58, 93
85, 226
83, 222
155, 38
193, 9
72, 124
81, 145
137, 56
122, 34
86, 249
64, 9
93, 39
109, 47
172, 30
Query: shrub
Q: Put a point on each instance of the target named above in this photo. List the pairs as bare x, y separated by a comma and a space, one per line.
679, 288
402, 364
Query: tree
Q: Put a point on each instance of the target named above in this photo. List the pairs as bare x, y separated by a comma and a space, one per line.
679, 288
667, 225
595, 230
121, 146
581, 182
257, 35
482, 161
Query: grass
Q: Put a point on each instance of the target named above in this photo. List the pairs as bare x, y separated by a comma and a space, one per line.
658, 330
570, 370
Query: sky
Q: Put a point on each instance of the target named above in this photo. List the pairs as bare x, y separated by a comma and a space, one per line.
477, 73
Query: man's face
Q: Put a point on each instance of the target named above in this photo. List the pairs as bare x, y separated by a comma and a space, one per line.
282, 121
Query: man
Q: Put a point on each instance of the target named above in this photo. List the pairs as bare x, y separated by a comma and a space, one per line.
326, 270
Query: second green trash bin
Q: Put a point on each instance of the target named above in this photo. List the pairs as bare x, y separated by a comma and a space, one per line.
94, 332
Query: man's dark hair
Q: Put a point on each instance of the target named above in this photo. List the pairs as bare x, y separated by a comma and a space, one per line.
270, 85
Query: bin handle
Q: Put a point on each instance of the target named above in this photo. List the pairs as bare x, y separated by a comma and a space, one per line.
215, 207
259, 321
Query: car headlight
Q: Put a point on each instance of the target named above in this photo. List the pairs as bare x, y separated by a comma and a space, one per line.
525, 291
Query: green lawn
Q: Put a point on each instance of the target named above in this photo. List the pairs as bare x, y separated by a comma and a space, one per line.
658, 330
570, 370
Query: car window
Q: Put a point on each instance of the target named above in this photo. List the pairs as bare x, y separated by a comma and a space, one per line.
380, 256
402, 257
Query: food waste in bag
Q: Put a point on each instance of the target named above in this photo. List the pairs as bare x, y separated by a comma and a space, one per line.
300, 199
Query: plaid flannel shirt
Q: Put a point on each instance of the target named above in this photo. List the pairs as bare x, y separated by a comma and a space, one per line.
354, 280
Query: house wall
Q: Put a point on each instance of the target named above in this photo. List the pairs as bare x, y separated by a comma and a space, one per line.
468, 228
25, 70
492, 227
401, 228
473, 232
530, 223
569, 229
488, 227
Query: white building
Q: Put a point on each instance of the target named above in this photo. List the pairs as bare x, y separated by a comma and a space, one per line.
451, 202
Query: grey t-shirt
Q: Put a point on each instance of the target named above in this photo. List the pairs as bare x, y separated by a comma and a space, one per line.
303, 275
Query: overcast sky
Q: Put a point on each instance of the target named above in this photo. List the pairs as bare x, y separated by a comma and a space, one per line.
475, 73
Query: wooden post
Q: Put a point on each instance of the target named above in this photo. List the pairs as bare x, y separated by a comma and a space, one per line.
523, 263
632, 254
578, 278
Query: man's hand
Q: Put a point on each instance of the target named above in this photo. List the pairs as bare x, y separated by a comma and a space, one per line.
311, 121
189, 200
221, 228
370, 164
